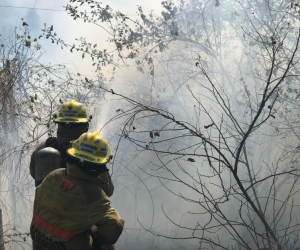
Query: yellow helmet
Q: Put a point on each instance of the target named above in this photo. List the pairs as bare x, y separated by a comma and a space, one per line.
91, 147
72, 112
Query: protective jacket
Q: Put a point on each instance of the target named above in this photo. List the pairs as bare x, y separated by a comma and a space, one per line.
67, 204
61, 144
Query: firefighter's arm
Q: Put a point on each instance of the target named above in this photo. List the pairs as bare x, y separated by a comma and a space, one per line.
108, 222
108, 188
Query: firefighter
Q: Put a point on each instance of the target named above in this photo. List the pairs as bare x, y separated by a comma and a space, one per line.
73, 120
69, 202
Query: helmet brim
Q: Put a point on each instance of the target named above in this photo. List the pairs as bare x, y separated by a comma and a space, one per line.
71, 120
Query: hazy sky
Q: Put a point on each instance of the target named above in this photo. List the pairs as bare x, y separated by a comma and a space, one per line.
63, 24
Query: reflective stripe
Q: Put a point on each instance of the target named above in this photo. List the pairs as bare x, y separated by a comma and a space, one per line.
52, 229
